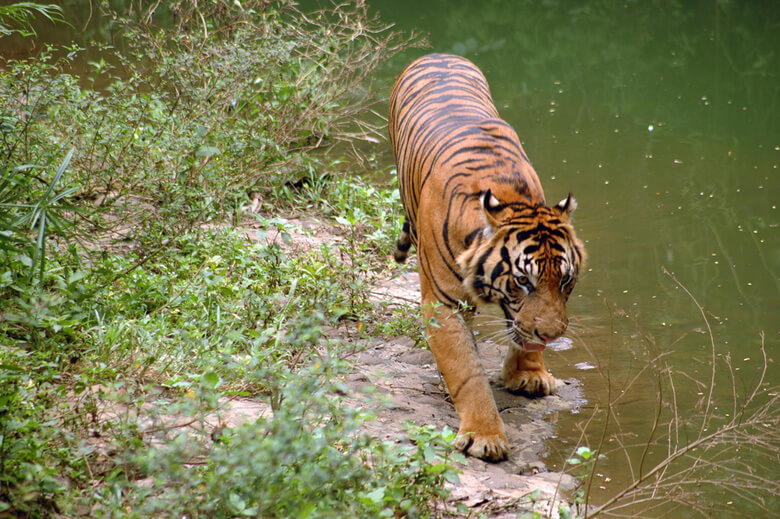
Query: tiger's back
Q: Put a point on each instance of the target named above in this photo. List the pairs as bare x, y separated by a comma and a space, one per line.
450, 145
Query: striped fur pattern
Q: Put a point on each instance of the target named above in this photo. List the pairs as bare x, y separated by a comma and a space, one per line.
475, 211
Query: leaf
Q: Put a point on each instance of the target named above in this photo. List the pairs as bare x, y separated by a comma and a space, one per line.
76, 276
429, 453
451, 476
207, 151
376, 495
585, 452
24, 259
236, 503
210, 379
293, 286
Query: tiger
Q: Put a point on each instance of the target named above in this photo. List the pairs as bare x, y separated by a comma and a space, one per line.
492, 257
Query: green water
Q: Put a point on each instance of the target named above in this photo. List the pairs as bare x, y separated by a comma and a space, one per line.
663, 119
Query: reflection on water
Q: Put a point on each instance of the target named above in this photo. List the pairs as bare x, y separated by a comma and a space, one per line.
560, 344
584, 366
663, 119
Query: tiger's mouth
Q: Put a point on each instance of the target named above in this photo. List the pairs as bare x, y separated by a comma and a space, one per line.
525, 344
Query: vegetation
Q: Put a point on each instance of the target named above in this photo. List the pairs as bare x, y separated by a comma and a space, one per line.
133, 309
17, 18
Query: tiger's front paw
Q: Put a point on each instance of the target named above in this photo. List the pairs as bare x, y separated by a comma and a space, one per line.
530, 382
490, 447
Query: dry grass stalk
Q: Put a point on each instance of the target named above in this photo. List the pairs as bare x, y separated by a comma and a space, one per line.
688, 457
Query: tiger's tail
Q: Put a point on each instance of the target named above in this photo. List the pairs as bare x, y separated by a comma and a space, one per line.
404, 243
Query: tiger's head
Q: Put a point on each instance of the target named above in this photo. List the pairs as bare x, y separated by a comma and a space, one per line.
525, 261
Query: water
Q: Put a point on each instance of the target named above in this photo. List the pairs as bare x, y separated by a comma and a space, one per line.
663, 119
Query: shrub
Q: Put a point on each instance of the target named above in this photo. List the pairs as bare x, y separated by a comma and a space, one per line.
309, 459
120, 308
222, 103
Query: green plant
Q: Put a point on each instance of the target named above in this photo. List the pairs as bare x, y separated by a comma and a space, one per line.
405, 320
21, 14
34, 456
211, 315
197, 119
307, 459
371, 214
130, 312
584, 458
40, 215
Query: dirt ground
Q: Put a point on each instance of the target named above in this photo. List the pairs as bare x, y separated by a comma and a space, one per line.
406, 374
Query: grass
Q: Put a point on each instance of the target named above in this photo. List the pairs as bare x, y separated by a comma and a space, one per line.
133, 309
102, 362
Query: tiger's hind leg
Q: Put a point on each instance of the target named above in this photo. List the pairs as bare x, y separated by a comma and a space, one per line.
404, 242
524, 372
481, 433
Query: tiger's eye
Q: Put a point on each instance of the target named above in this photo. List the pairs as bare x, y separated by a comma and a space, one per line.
521, 280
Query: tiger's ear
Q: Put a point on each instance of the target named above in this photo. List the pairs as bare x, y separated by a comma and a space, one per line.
567, 205
491, 208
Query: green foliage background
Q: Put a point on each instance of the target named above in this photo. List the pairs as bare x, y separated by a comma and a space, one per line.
132, 305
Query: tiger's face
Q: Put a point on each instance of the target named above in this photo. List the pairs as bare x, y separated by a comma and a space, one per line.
524, 266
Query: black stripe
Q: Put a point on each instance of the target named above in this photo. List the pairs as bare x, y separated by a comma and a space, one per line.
497, 271
470, 237
530, 249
